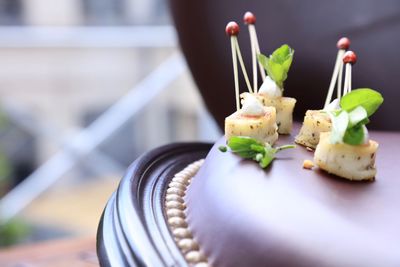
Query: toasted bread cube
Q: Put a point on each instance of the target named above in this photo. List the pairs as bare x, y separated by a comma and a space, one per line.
263, 128
315, 122
284, 110
351, 162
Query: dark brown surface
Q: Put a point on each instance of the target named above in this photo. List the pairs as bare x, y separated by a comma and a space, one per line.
288, 216
60, 253
133, 229
312, 28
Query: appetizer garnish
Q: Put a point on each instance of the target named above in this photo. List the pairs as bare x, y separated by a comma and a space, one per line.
250, 148
346, 151
277, 66
318, 121
253, 119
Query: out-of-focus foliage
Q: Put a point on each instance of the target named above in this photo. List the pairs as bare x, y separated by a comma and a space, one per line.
12, 232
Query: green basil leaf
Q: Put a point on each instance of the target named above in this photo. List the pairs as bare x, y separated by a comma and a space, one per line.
223, 149
243, 141
278, 64
267, 159
250, 148
245, 153
274, 70
355, 135
369, 99
262, 59
242, 146
283, 56
257, 148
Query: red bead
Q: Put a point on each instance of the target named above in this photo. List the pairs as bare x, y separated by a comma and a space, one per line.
343, 43
232, 28
249, 18
350, 57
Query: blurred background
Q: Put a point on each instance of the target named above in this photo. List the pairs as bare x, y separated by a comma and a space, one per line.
85, 87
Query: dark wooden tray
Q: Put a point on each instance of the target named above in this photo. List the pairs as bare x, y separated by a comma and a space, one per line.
133, 230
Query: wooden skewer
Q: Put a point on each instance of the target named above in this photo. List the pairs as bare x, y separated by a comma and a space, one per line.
350, 82
347, 84
349, 58
346, 80
339, 83
239, 54
254, 60
262, 71
342, 45
334, 77
235, 73
232, 29
250, 20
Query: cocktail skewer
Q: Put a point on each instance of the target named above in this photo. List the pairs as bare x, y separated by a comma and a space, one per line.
343, 44
349, 59
232, 29
239, 55
339, 83
250, 19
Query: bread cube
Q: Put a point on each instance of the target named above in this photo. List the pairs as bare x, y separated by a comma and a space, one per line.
263, 128
315, 122
356, 163
284, 110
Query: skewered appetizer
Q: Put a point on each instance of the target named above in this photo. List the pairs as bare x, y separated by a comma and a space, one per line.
346, 151
271, 91
318, 121
277, 66
253, 119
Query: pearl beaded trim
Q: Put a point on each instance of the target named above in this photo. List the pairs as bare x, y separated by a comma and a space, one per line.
174, 209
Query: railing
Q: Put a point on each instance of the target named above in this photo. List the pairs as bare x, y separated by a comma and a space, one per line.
87, 140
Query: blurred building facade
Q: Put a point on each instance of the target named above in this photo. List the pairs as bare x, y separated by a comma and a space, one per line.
63, 64
66, 76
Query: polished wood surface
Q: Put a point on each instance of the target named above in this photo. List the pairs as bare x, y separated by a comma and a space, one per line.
133, 229
79, 252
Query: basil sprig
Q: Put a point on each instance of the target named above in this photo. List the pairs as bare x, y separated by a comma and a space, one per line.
278, 64
250, 148
348, 123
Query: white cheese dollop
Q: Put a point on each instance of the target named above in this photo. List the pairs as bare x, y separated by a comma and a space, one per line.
270, 88
252, 106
